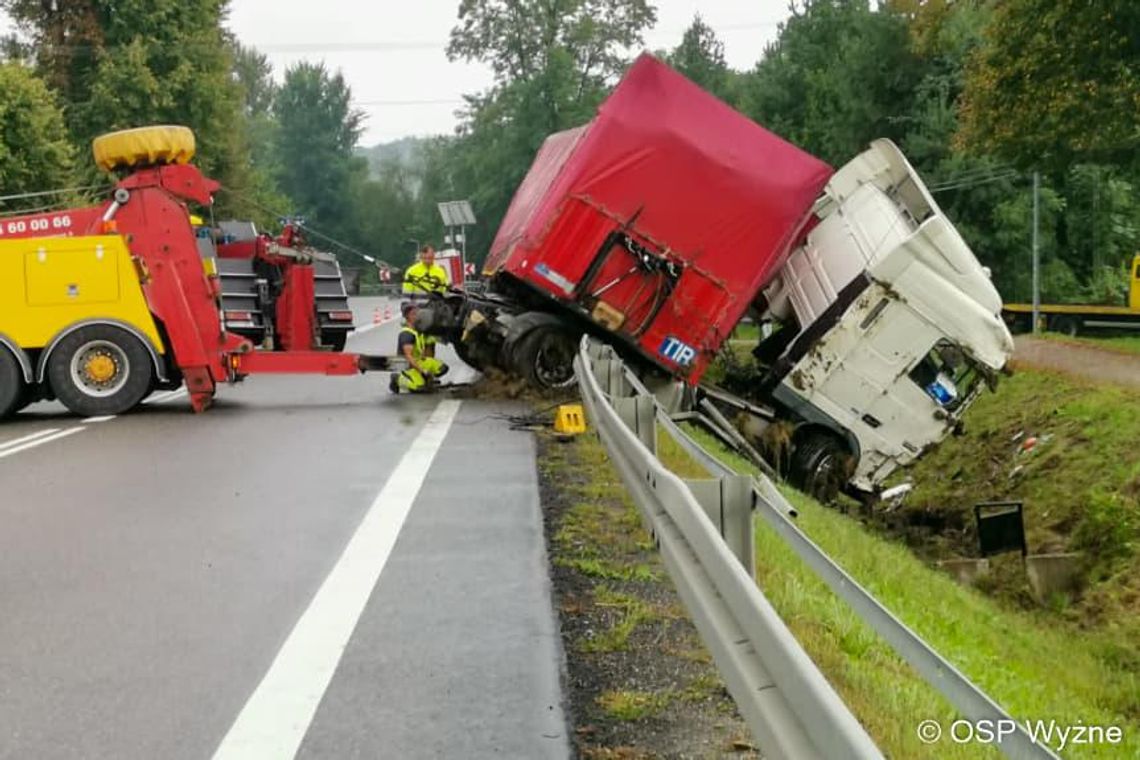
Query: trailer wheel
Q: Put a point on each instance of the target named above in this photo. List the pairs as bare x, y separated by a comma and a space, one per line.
819, 466
1065, 325
544, 357
100, 370
12, 389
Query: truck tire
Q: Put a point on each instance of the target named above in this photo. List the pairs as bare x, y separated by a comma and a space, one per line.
12, 390
1065, 325
144, 146
544, 357
819, 466
99, 370
335, 340
468, 355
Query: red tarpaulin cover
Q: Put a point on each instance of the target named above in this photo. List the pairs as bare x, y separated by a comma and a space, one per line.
687, 179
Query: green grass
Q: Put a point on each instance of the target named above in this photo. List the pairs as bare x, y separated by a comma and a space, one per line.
633, 705
1080, 484
1129, 344
1036, 667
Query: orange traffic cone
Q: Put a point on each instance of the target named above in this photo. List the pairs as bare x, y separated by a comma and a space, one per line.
376, 319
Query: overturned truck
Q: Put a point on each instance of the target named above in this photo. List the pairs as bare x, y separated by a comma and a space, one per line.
669, 217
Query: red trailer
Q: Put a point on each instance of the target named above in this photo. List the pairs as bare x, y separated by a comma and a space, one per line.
659, 221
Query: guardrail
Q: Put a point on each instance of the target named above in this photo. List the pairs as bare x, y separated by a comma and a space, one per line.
704, 530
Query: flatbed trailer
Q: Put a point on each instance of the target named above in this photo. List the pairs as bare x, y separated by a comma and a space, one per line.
1073, 319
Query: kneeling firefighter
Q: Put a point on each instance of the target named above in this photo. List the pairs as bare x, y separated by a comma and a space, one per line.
419, 351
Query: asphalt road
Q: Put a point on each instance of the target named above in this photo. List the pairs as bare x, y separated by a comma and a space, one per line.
312, 568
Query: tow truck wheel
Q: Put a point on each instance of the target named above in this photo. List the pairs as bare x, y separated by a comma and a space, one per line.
12, 390
99, 370
544, 357
819, 466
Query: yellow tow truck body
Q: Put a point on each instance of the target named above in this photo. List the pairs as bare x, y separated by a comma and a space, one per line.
1071, 319
49, 286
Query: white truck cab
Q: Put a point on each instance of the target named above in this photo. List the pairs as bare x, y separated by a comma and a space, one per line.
891, 327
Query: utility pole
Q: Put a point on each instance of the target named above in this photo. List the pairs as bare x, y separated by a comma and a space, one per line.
1036, 253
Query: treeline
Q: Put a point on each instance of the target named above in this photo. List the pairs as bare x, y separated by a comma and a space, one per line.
979, 94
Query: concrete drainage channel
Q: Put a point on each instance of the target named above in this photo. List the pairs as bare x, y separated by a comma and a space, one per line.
703, 529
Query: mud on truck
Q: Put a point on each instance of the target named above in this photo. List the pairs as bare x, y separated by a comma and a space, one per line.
669, 217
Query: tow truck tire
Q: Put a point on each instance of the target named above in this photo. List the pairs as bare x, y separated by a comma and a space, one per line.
99, 370
12, 390
544, 357
145, 146
818, 466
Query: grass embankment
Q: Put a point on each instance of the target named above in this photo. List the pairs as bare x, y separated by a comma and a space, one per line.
1080, 485
1034, 667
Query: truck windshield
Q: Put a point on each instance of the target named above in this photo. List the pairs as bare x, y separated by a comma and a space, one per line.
947, 375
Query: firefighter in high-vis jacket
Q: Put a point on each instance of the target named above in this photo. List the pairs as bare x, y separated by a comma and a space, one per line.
425, 276
419, 351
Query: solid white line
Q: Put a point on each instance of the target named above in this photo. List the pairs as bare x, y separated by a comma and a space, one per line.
278, 713
37, 442
26, 438
99, 419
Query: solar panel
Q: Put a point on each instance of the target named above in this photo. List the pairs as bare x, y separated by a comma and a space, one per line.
456, 213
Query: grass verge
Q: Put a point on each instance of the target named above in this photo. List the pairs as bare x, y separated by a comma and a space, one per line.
1128, 344
640, 683
1036, 668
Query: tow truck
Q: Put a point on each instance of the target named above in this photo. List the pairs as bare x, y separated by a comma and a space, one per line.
102, 305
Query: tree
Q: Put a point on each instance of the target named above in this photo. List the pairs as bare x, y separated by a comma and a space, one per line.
35, 154
700, 57
317, 130
1058, 81
553, 62
127, 63
838, 76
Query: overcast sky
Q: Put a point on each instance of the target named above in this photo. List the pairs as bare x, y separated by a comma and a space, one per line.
392, 53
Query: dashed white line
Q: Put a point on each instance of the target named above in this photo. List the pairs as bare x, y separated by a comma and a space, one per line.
26, 438
104, 418
162, 398
278, 713
373, 326
38, 441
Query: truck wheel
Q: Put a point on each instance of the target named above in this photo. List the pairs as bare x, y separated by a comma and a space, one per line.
819, 466
335, 339
12, 390
544, 357
1065, 325
467, 355
100, 370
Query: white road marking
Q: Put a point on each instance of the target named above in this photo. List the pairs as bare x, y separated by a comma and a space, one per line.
278, 713
45, 439
373, 326
162, 398
26, 438
104, 418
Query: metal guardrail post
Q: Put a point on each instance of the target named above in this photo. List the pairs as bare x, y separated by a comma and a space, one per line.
727, 501
639, 413
789, 706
